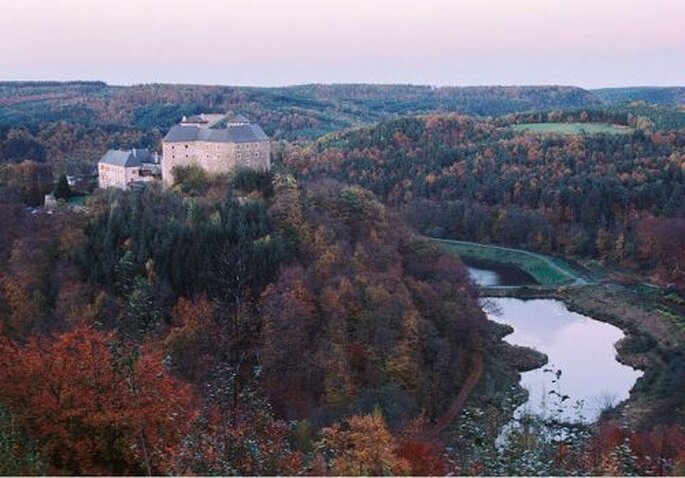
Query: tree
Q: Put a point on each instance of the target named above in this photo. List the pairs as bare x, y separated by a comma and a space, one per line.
33, 180
289, 316
93, 407
18, 455
237, 433
189, 344
62, 189
364, 446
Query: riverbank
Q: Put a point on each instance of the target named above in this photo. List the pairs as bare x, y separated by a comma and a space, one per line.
653, 343
652, 320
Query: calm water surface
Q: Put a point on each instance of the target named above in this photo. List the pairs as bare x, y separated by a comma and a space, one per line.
486, 273
582, 348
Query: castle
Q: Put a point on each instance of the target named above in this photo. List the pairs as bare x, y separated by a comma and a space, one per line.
126, 169
218, 143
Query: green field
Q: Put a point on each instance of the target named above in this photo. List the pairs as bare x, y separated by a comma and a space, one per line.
78, 200
547, 271
572, 128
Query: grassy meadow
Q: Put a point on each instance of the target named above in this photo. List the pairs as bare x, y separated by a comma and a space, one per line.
547, 271
572, 128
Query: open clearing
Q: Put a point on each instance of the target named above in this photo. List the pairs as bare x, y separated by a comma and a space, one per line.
572, 128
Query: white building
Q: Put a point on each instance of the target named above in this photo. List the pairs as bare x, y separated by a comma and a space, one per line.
123, 169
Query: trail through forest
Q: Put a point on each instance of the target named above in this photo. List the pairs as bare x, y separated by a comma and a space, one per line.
459, 401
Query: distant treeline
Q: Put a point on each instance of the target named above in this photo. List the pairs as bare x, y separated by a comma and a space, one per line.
649, 94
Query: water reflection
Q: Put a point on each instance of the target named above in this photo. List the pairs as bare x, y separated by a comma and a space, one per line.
484, 277
582, 348
487, 274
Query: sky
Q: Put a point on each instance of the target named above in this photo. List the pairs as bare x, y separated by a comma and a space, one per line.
587, 43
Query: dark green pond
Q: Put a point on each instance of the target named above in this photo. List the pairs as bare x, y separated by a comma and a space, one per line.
486, 273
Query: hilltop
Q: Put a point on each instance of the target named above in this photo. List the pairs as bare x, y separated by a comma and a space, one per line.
292, 112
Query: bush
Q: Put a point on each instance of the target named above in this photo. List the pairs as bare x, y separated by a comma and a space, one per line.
190, 179
249, 180
62, 189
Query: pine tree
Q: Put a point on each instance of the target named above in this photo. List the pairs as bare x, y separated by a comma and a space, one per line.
62, 189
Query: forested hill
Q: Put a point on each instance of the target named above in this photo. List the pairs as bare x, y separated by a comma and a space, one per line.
247, 327
649, 94
617, 197
293, 112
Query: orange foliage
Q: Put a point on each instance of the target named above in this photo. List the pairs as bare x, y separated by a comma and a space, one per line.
364, 447
91, 413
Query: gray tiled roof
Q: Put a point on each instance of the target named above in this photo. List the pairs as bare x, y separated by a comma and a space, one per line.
240, 133
237, 119
194, 119
127, 159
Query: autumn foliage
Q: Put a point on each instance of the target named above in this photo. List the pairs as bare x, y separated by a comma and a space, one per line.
93, 410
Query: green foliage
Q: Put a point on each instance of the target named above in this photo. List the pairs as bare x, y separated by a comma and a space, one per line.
18, 454
303, 111
18, 145
163, 115
192, 253
248, 180
192, 180
529, 445
62, 189
571, 128
654, 95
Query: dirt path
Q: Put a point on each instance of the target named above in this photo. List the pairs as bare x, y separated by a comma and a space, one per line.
459, 401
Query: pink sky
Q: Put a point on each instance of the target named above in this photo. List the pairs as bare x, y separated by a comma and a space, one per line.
589, 43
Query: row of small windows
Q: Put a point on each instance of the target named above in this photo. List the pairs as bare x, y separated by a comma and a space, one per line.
239, 155
238, 146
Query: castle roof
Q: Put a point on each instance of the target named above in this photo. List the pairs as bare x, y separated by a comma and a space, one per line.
232, 133
203, 119
237, 118
127, 159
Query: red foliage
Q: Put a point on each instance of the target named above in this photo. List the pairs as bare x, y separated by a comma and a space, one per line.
425, 458
658, 451
90, 413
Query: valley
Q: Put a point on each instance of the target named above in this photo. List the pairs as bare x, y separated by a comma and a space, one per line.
330, 290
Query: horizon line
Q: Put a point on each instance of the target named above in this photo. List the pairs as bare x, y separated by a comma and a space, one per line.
361, 83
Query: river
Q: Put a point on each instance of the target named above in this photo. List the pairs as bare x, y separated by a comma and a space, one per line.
581, 347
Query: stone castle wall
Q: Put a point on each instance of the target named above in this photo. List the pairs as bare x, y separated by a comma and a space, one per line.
214, 157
